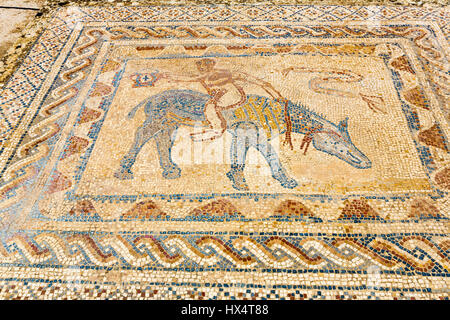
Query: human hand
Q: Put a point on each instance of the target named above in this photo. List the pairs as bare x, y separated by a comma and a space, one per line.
164, 75
169, 78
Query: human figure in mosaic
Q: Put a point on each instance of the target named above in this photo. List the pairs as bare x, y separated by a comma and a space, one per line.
226, 91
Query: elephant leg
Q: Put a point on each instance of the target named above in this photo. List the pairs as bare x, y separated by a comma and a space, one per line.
262, 144
143, 134
239, 147
164, 142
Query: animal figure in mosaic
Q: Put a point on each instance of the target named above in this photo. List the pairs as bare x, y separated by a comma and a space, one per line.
253, 124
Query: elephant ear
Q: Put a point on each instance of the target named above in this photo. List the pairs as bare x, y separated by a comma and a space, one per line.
343, 125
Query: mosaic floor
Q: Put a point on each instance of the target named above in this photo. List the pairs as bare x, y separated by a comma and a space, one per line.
228, 152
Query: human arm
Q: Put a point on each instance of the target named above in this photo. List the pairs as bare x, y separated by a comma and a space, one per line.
266, 86
180, 78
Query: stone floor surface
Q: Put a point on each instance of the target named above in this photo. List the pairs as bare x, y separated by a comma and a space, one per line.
14, 16
226, 152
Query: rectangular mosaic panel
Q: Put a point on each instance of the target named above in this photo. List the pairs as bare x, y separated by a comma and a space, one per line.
281, 152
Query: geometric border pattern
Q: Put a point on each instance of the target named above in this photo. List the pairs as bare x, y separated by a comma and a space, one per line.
402, 260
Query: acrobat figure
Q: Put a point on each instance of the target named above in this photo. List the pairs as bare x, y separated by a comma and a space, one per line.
226, 91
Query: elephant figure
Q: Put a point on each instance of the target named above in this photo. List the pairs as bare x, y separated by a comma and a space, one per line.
253, 124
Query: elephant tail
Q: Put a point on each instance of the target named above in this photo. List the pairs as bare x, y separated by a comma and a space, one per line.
133, 111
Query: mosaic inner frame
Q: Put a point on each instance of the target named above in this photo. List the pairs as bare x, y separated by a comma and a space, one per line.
57, 242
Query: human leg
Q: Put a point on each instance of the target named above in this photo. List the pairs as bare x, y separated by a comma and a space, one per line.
216, 122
